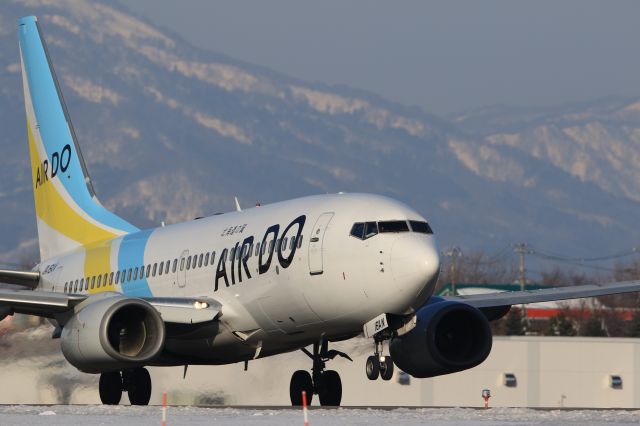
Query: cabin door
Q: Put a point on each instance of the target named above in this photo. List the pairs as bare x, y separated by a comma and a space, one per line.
316, 241
181, 270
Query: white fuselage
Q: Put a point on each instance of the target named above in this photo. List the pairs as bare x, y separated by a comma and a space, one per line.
333, 284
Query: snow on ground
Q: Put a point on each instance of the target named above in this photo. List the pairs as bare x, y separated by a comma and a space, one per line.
140, 416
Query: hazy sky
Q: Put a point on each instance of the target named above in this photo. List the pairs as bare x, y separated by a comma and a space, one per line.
442, 55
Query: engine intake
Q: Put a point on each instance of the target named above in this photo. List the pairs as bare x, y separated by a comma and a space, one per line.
112, 333
448, 337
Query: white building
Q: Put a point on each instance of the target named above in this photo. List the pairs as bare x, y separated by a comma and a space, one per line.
548, 372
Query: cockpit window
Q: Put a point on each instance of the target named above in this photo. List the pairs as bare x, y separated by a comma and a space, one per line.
421, 227
364, 230
357, 230
370, 229
393, 226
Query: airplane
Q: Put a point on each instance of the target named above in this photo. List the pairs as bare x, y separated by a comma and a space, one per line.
237, 286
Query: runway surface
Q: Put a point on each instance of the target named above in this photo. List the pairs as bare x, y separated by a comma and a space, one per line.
126, 415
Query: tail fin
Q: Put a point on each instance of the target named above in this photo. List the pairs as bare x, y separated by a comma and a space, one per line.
68, 213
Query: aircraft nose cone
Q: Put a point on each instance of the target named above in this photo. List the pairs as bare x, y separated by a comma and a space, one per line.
415, 263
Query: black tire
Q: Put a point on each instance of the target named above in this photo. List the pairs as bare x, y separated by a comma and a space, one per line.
300, 381
386, 368
110, 388
139, 387
373, 367
330, 390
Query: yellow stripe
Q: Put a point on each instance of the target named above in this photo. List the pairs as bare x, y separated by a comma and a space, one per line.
54, 210
97, 262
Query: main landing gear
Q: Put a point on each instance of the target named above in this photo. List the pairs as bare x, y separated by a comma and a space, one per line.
324, 383
379, 365
136, 382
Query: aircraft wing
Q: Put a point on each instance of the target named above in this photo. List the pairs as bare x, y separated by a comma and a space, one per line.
508, 298
40, 303
180, 310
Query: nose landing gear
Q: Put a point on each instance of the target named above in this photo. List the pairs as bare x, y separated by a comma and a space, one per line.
324, 383
379, 365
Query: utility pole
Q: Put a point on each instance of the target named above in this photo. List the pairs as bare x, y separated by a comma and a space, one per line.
521, 249
454, 253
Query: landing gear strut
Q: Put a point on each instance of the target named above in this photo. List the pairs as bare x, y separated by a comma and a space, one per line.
324, 383
136, 382
379, 365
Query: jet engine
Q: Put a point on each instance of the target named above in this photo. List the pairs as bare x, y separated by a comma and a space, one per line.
448, 337
112, 333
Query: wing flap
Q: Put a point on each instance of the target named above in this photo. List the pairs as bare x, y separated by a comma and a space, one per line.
546, 295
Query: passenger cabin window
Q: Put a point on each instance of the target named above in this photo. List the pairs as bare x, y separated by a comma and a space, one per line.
117, 277
111, 278
148, 273
300, 241
155, 268
166, 266
200, 261
421, 227
135, 273
393, 226
175, 265
182, 264
206, 259
213, 256
161, 268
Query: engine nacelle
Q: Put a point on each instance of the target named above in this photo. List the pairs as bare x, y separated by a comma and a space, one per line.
448, 337
113, 333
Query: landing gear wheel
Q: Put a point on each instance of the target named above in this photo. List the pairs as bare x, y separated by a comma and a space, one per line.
373, 367
300, 381
110, 388
330, 389
386, 368
139, 386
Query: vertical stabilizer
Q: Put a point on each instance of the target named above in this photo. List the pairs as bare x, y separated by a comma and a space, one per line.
67, 210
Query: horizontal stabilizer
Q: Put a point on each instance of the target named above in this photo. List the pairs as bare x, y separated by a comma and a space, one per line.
22, 278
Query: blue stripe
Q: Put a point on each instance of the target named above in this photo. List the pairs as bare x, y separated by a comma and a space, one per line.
54, 131
131, 255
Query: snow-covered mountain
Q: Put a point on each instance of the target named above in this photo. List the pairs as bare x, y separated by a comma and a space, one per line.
171, 132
